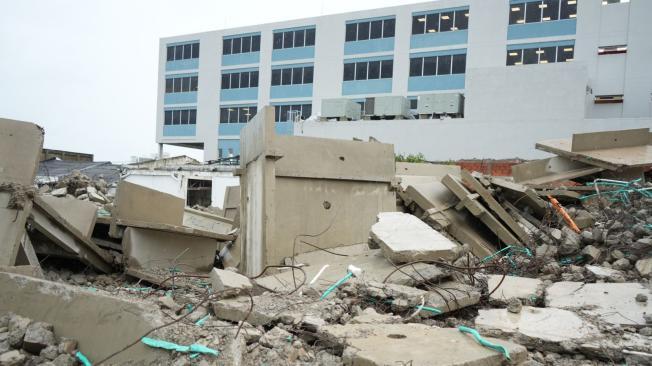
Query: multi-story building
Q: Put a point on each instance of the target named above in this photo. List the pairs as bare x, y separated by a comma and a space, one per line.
525, 67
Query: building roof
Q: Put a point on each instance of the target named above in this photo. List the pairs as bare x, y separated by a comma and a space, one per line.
52, 170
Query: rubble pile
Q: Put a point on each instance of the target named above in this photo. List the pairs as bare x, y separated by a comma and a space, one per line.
359, 261
24, 341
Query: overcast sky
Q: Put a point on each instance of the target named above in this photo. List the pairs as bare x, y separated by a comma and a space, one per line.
85, 70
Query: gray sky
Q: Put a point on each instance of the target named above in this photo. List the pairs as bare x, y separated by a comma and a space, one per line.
85, 70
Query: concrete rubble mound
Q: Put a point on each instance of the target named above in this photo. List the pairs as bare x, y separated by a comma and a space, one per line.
356, 260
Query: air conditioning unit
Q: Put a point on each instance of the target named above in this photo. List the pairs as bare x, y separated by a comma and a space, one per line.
451, 104
389, 106
341, 108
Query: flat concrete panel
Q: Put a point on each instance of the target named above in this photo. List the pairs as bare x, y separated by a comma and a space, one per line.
80, 214
139, 203
610, 139
426, 169
101, 324
158, 250
20, 151
551, 170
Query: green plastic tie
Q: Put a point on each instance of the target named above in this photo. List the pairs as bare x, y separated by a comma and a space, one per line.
430, 309
192, 349
83, 359
484, 342
336, 285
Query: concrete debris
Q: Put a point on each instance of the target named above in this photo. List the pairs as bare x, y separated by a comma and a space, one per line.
404, 238
357, 260
615, 303
387, 344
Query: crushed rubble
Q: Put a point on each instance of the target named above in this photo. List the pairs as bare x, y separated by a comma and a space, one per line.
549, 267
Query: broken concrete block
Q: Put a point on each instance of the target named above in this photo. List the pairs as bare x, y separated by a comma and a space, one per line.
268, 308
139, 203
522, 288
80, 215
17, 326
276, 338
12, 358
223, 280
168, 302
370, 316
613, 302
38, 336
644, 266
385, 344
404, 238
592, 253
571, 242
604, 273
535, 325
60, 192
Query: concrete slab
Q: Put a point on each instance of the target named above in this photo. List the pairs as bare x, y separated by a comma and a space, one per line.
436, 203
536, 325
205, 221
374, 265
80, 315
268, 308
613, 302
68, 239
24, 270
519, 287
79, 214
155, 250
478, 210
20, 151
404, 238
222, 280
494, 206
551, 170
392, 344
138, 203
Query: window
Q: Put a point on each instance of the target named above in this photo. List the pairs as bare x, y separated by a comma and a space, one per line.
182, 52
413, 103
297, 75
608, 2
374, 70
276, 77
181, 84
542, 11
367, 70
349, 71
387, 69
443, 65
286, 76
243, 44
533, 12
236, 80
438, 65
242, 114
459, 64
308, 74
361, 70
375, 29
608, 99
611, 50
180, 117
540, 55
293, 39
294, 75
285, 113
440, 21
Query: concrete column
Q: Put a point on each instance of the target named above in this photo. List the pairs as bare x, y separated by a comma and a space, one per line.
160, 151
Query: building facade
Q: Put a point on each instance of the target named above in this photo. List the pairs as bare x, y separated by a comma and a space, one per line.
531, 61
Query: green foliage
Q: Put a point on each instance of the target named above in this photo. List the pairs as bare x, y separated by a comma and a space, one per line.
411, 158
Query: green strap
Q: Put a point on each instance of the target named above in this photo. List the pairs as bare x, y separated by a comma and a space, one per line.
484, 342
336, 285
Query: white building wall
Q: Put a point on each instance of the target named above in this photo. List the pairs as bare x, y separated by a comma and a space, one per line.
493, 90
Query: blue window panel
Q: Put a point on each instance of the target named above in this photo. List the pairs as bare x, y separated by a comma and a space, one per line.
239, 94
241, 59
291, 91
438, 11
298, 53
458, 51
180, 98
369, 46
230, 129
545, 29
188, 64
439, 39
366, 86
284, 128
179, 130
226, 144
436, 82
